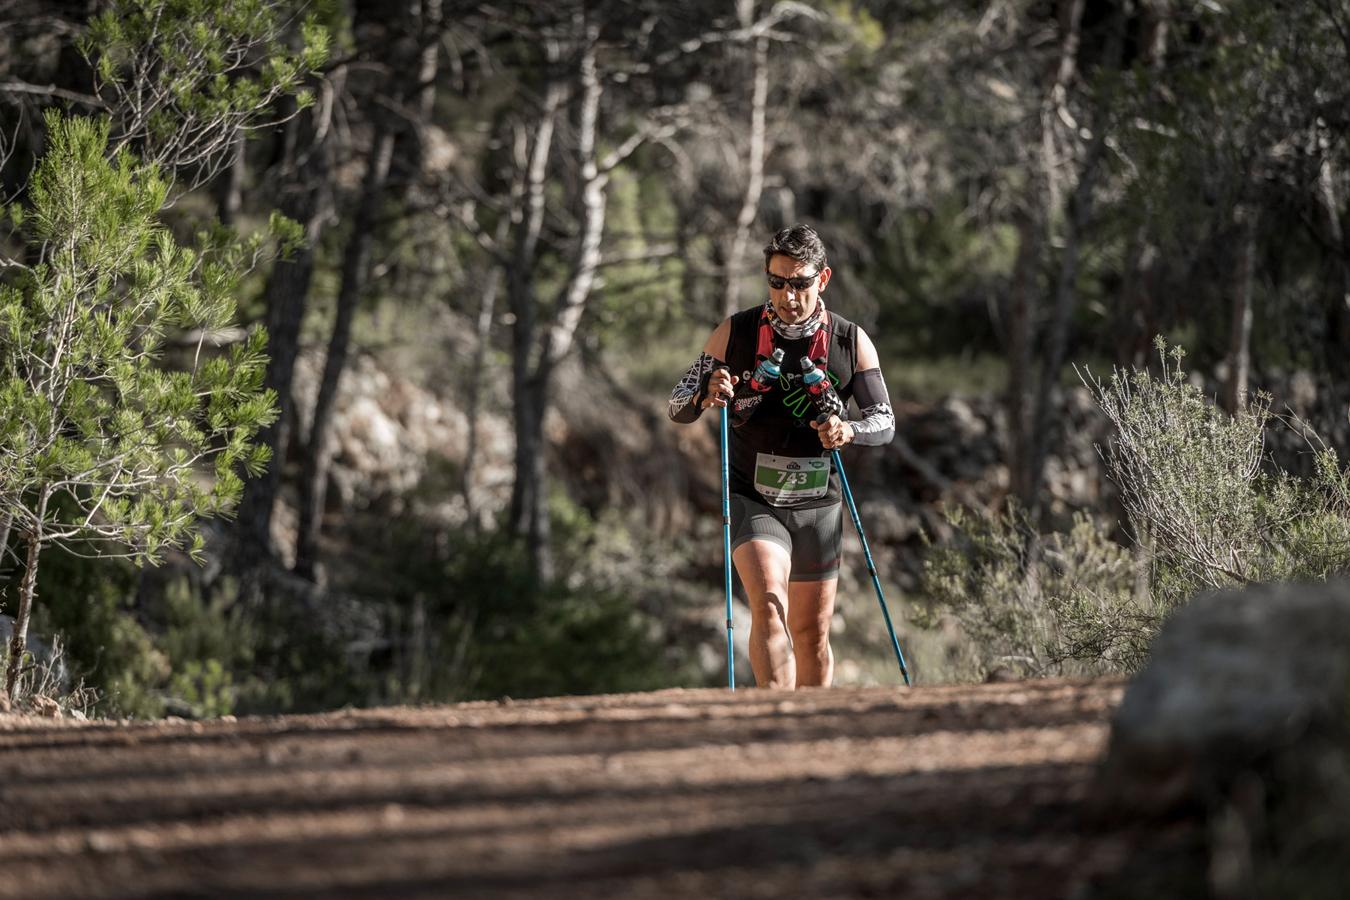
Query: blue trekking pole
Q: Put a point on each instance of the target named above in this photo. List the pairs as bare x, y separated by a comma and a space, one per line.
871, 567
726, 550
818, 385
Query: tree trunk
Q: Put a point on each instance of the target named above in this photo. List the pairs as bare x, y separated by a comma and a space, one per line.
533, 525
1078, 213
18, 642
528, 514
230, 185
1057, 337
6, 522
1336, 278
482, 336
1042, 205
410, 148
533, 403
754, 182
571, 302
1240, 333
286, 295
422, 18
314, 480
1022, 315
1055, 104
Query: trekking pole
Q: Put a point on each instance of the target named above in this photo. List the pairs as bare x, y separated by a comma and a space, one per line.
871, 567
726, 550
828, 402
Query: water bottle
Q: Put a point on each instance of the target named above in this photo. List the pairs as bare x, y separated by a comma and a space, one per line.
817, 384
767, 372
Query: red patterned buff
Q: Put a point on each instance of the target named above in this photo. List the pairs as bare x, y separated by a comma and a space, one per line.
817, 328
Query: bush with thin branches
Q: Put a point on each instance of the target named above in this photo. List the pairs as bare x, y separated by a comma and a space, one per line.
1206, 509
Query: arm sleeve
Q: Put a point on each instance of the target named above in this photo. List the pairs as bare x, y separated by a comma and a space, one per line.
877, 425
686, 401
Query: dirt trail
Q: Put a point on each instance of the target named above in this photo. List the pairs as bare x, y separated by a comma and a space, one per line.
958, 791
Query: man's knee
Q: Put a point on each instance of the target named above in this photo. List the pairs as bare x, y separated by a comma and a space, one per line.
812, 637
770, 610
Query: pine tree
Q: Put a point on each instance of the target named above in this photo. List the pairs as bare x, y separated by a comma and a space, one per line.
100, 445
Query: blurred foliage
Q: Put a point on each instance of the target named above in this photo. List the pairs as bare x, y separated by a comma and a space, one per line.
530, 640
88, 603
570, 636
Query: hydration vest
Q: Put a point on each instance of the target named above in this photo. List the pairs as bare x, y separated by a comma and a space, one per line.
819, 349
776, 421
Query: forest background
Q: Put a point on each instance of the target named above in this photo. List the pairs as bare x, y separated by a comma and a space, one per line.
509, 227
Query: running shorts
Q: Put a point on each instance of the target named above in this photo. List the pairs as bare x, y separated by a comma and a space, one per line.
811, 536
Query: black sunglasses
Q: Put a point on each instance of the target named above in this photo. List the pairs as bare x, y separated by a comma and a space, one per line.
801, 283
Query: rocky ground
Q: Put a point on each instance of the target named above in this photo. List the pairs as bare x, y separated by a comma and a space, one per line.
941, 791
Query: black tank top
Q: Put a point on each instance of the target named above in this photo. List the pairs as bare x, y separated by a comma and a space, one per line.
779, 423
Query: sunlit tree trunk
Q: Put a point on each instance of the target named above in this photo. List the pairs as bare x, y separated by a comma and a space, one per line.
6, 522
754, 163
538, 352
487, 305
528, 515
230, 185
1044, 427
1240, 332
18, 642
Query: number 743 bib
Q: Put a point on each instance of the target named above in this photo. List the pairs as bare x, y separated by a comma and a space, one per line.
787, 481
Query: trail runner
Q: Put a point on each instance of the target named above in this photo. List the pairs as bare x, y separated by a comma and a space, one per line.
786, 509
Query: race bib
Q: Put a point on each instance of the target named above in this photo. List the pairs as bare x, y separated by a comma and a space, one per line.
787, 481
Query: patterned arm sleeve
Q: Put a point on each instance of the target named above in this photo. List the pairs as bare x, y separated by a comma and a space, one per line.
877, 425
686, 401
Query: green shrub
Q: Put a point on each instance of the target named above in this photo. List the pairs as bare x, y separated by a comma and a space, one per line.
1202, 496
1038, 604
1206, 510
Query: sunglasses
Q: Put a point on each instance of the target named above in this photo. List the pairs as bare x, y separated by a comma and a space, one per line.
801, 283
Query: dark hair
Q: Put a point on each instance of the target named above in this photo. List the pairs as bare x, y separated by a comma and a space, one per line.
800, 242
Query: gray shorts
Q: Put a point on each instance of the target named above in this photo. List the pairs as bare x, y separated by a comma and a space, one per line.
811, 536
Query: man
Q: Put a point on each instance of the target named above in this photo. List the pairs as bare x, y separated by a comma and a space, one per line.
786, 506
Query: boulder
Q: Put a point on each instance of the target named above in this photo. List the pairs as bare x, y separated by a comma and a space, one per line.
45, 707
1241, 722
1233, 678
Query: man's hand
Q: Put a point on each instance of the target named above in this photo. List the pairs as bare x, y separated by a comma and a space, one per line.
834, 432
720, 385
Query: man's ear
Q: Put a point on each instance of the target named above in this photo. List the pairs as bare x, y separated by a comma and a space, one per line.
824, 277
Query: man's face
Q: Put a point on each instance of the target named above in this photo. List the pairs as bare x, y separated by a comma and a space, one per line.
798, 290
